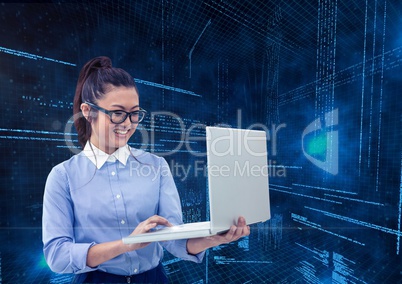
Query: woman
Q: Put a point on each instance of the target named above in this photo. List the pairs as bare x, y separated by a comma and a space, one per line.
93, 200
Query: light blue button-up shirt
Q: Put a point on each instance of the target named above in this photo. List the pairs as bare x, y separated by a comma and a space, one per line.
94, 197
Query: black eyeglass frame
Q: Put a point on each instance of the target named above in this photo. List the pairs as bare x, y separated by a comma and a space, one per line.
141, 113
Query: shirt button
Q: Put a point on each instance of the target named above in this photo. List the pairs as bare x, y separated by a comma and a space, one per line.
123, 222
113, 173
118, 196
135, 270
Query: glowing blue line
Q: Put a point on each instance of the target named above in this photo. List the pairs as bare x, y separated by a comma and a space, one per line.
372, 88
68, 147
319, 46
300, 219
166, 87
35, 131
243, 261
181, 141
32, 56
175, 151
36, 138
287, 167
281, 186
192, 49
354, 199
323, 188
304, 195
363, 74
381, 93
398, 239
39, 57
332, 98
358, 222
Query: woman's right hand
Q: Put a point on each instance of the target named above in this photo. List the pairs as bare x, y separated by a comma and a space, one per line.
99, 253
146, 226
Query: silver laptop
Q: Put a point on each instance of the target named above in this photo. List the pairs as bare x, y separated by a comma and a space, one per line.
237, 182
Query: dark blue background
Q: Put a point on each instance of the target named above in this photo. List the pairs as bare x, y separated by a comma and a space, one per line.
279, 64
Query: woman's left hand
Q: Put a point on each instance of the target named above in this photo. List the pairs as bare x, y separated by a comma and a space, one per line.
195, 246
234, 233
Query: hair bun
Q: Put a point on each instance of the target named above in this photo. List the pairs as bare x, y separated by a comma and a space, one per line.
101, 62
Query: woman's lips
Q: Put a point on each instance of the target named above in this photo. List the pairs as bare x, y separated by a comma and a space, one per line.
121, 131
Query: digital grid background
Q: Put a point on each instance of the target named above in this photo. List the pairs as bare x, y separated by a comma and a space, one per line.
321, 77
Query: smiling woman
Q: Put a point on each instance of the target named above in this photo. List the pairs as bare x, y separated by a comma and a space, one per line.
93, 200
101, 87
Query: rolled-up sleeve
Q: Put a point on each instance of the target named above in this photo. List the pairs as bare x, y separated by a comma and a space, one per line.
62, 254
179, 249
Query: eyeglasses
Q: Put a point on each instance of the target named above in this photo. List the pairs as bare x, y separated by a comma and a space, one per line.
119, 116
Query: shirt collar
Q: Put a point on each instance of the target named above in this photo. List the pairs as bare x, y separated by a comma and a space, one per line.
99, 158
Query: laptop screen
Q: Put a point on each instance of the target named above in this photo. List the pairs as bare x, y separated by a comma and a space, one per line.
237, 166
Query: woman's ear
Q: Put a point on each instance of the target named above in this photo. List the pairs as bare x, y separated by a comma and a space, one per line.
86, 110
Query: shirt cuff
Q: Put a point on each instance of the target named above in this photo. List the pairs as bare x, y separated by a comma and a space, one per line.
79, 253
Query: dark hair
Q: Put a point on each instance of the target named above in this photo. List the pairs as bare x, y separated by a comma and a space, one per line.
96, 79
